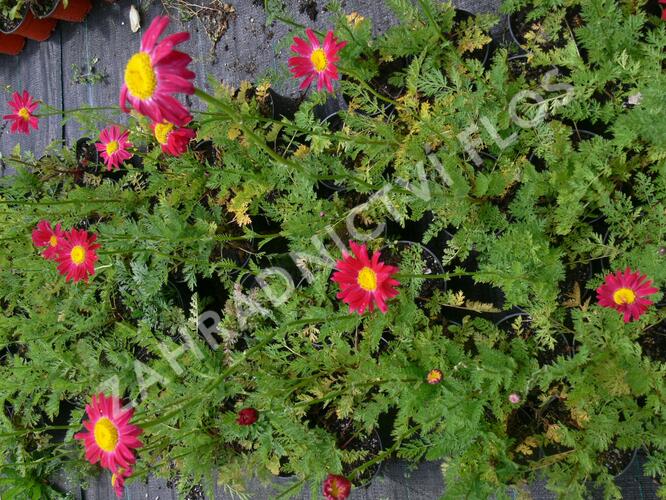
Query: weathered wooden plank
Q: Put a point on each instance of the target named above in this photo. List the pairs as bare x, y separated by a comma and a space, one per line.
38, 69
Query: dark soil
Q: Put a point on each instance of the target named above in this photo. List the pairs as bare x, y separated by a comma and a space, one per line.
520, 424
518, 65
616, 461
43, 8
308, 7
8, 25
555, 413
653, 342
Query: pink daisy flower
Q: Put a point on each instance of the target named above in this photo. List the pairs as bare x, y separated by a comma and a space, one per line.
46, 236
174, 140
22, 118
336, 487
316, 61
626, 292
663, 12
118, 480
155, 73
364, 282
110, 439
113, 146
77, 256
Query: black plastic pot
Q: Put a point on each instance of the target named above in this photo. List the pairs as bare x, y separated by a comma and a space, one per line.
283, 106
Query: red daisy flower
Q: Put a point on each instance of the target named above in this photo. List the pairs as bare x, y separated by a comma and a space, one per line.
316, 61
22, 117
247, 416
626, 292
76, 255
118, 480
174, 140
663, 12
46, 236
364, 282
434, 376
113, 147
336, 487
110, 439
155, 73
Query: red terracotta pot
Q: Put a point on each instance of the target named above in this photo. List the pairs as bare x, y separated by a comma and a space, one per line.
11, 44
75, 11
33, 28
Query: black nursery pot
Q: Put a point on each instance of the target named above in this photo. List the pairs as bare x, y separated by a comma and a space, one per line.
618, 461
330, 111
86, 153
281, 106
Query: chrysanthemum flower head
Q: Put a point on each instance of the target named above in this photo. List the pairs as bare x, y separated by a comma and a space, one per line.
46, 236
113, 146
118, 480
315, 60
247, 416
23, 116
336, 487
625, 291
77, 255
364, 281
173, 139
434, 376
155, 73
110, 438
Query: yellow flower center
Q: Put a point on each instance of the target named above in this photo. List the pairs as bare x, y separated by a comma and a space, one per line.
367, 279
162, 131
140, 77
78, 254
624, 296
24, 113
319, 60
53, 241
112, 147
106, 434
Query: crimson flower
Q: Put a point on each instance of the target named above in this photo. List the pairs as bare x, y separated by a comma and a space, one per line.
22, 118
247, 416
110, 438
77, 255
364, 281
625, 292
434, 376
118, 480
113, 147
315, 60
174, 140
46, 236
336, 487
155, 73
